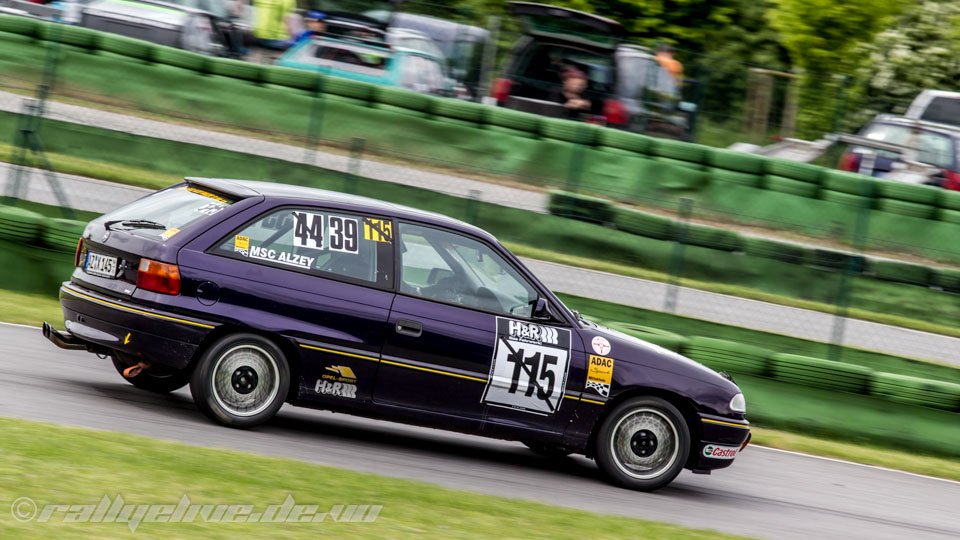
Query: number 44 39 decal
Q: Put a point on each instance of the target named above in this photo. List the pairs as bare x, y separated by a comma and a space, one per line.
529, 369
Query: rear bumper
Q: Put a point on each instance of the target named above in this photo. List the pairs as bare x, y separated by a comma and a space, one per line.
101, 324
721, 441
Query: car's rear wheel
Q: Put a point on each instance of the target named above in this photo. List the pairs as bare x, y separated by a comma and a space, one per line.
643, 443
241, 381
551, 451
160, 380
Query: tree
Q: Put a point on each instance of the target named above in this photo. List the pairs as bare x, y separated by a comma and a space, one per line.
921, 51
822, 38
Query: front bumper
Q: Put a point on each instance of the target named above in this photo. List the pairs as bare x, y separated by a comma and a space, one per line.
721, 441
101, 324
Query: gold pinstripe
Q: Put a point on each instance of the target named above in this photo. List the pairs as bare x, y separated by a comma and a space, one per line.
134, 310
722, 423
341, 353
437, 371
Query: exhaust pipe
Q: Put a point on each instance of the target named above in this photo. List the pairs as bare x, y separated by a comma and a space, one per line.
64, 340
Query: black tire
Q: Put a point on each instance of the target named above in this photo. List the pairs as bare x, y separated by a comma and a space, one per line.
241, 381
550, 451
621, 442
158, 380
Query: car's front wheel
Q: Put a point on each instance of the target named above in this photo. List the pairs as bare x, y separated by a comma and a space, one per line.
157, 379
643, 443
241, 381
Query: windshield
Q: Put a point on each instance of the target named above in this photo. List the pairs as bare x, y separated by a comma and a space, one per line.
642, 78
932, 148
173, 209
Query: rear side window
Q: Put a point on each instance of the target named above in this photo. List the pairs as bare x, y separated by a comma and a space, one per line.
170, 211
944, 110
330, 244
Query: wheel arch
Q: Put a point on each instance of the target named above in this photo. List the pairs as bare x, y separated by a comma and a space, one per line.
684, 404
286, 345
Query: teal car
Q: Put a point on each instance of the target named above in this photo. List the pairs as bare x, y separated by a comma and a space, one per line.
370, 61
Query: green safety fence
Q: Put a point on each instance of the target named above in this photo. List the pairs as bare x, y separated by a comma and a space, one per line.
606, 162
655, 226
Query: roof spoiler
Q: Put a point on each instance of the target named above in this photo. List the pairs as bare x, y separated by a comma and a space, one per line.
227, 187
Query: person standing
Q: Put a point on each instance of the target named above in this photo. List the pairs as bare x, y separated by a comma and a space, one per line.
274, 23
669, 63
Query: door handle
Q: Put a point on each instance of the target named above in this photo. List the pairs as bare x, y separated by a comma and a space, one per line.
409, 328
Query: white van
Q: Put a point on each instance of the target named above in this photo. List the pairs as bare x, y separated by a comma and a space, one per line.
937, 106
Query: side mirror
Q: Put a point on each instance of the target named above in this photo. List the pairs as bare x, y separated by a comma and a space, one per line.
541, 310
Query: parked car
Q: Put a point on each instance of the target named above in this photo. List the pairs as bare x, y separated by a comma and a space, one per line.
202, 26
360, 51
929, 143
627, 87
259, 294
936, 106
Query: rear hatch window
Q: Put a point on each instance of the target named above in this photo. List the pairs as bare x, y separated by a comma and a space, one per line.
932, 148
167, 212
109, 258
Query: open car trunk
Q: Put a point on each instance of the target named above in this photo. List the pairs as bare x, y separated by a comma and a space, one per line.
562, 24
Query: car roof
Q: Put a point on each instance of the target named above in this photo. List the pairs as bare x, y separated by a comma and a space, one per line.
277, 190
945, 129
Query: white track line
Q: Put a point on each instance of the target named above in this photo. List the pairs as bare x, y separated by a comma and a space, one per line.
845, 462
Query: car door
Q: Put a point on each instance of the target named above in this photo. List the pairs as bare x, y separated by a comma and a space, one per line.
322, 278
462, 342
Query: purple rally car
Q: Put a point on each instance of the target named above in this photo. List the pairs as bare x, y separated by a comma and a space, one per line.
256, 294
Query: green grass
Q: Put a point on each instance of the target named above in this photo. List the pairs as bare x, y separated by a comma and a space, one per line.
30, 309
58, 465
859, 453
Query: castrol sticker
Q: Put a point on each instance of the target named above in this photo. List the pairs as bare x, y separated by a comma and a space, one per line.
720, 452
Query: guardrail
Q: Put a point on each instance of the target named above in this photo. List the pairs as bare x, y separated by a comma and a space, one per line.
616, 164
740, 358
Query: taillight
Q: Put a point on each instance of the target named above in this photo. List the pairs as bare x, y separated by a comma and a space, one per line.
76, 256
951, 180
615, 112
500, 90
850, 162
158, 277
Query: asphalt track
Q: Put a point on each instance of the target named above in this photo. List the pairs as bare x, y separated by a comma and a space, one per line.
766, 494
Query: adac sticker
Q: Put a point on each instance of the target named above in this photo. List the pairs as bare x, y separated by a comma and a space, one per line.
241, 245
600, 374
169, 233
600, 345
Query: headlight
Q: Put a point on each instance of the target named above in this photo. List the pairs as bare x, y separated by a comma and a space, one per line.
738, 404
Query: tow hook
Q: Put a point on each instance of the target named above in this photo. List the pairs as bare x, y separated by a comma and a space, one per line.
135, 370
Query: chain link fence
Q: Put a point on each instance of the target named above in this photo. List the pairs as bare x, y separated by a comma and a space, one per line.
667, 232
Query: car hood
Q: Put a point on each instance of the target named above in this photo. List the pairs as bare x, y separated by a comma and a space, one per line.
626, 348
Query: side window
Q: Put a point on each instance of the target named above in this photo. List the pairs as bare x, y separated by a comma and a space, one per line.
455, 269
323, 243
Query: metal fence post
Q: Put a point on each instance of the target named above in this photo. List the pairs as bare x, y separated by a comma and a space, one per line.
675, 271
473, 207
357, 145
860, 232
315, 122
576, 160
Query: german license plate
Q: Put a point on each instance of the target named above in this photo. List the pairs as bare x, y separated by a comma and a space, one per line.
101, 265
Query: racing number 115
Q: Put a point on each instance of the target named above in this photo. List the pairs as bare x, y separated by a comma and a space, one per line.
536, 369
